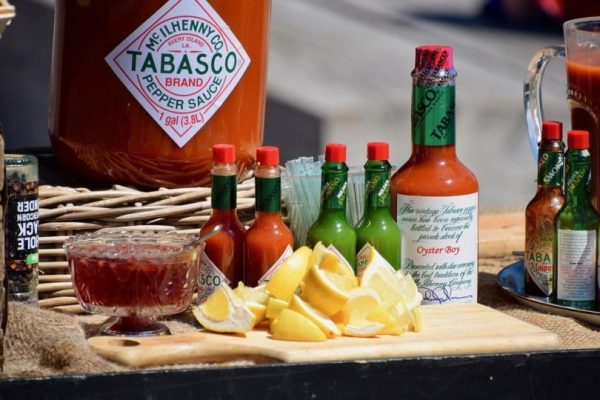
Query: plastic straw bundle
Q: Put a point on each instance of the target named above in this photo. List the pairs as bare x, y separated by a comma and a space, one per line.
301, 188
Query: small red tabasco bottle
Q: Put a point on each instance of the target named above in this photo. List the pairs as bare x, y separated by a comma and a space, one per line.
223, 258
541, 211
268, 240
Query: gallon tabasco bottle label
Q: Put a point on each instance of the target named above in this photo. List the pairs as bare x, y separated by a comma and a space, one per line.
181, 65
439, 245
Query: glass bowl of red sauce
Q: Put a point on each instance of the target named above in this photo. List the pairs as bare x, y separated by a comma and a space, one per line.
134, 276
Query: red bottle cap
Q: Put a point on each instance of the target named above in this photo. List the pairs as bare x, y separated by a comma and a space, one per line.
335, 152
552, 130
434, 57
268, 156
223, 153
378, 151
578, 140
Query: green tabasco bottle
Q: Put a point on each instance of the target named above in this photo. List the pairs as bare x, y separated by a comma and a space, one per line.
377, 227
332, 226
576, 231
541, 211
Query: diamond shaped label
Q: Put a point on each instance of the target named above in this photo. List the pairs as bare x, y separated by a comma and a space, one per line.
181, 65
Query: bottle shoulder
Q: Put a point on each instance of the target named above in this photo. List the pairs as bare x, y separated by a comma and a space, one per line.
229, 221
434, 176
546, 200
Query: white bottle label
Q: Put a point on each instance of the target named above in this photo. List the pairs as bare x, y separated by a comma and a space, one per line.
210, 278
267, 276
576, 262
180, 65
439, 245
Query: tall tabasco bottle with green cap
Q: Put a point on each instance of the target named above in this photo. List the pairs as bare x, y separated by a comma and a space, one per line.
434, 196
332, 227
223, 258
576, 228
268, 241
541, 211
377, 227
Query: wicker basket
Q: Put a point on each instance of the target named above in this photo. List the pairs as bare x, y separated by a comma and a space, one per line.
67, 211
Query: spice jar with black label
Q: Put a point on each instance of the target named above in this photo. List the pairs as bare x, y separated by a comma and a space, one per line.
21, 227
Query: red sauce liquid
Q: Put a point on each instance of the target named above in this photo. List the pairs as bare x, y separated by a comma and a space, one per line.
584, 102
266, 240
432, 171
133, 287
226, 248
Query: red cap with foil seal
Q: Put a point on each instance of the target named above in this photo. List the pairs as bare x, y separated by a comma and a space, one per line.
268, 156
434, 57
223, 153
335, 152
378, 151
578, 140
552, 130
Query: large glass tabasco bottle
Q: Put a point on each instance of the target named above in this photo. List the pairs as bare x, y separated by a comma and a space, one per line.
576, 227
434, 196
268, 240
332, 226
377, 227
223, 258
541, 211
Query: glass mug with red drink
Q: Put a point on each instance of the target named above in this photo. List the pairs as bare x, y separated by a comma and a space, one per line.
582, 54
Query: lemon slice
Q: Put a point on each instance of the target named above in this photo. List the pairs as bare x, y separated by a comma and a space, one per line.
383, 316
275, 306
291, 325
256, 294
328, 327
378, 274
364, 329
361, 304
317, 254
224, 311
323, 293
290, 273
259, 311
409, 291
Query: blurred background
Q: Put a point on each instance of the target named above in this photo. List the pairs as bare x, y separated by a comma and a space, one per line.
339, 70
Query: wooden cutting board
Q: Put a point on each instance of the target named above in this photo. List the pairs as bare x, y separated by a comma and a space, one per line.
465, 329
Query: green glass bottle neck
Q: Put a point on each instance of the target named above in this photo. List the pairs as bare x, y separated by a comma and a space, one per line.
224, 192
334, 186
433, 112
377, 185
551, 164
578, 177
268, 194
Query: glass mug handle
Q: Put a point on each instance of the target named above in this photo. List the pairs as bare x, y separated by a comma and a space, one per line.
532, 93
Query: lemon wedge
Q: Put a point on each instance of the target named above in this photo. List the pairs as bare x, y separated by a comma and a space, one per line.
328, 327
322, 293
256, 294
291, 325
383, 316
378, 274
290, 273
224, 311
275, 306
